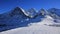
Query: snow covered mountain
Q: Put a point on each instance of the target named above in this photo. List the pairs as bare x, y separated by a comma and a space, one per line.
54, 10
15, 15
55, 13
32, 12
18, 17
15, 18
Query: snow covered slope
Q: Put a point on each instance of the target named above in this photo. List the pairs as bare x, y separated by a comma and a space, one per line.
36, 28
18, 18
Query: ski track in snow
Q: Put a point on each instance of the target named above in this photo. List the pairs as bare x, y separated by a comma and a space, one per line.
36, 28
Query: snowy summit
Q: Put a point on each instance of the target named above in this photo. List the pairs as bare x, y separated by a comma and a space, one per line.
19, 21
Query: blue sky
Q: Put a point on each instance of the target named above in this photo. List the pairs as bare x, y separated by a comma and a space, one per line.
7, 5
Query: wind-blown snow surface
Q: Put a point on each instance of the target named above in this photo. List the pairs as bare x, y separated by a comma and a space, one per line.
36, 28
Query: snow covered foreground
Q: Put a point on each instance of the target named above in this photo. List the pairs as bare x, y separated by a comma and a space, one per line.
37, 28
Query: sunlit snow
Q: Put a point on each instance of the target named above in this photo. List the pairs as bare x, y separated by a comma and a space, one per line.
36, 28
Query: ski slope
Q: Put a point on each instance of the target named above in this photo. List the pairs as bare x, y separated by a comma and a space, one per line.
37, 28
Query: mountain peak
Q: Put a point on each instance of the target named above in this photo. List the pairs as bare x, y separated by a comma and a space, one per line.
17, 11
31, 12
16, 8
42, 12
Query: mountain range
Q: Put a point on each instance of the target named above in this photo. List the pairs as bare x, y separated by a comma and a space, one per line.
18, 17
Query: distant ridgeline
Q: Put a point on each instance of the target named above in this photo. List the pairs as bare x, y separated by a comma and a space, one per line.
19, 17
